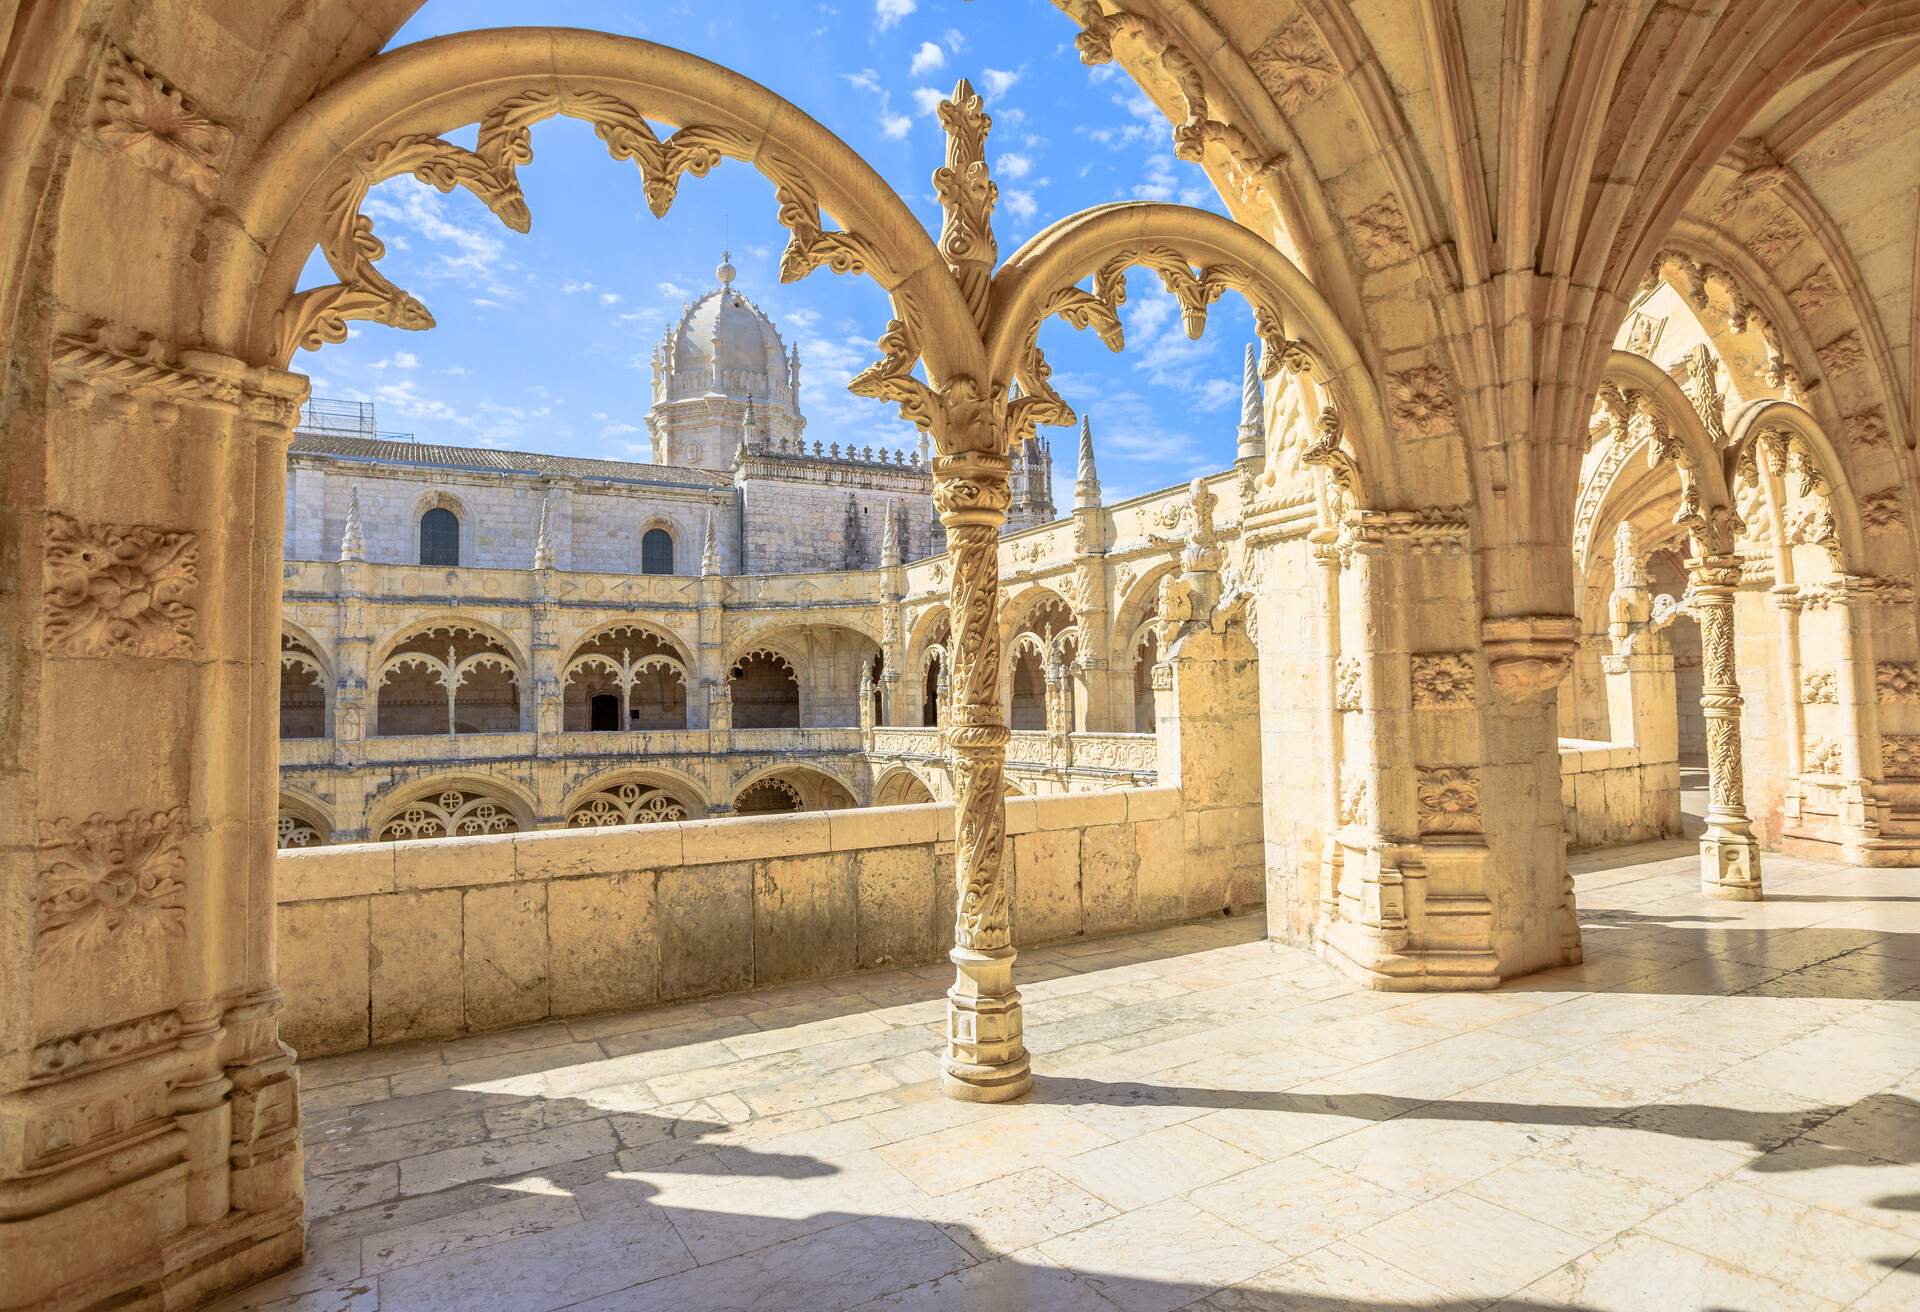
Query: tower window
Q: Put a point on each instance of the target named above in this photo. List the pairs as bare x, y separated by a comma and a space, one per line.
656, 552
439, 537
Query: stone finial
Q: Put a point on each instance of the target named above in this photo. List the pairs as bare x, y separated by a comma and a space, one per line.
725, 270
793, 372
353, 541
889, 539
542, 542
710, 548
1086, 487
1253, 423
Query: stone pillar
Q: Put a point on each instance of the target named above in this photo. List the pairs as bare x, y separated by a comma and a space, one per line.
1857, 695
149, 1118
1729, 855
986, 1057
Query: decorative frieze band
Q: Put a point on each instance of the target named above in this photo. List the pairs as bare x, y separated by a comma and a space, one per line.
77, 1052
137, 368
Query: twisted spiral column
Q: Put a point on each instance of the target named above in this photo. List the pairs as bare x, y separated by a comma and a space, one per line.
986, 1057
1729, 855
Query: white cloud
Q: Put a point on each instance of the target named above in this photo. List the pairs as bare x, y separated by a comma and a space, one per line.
927, 99
673, 291
569, 287
456, 371
609, 298
999, 81
927, 58
954, 39
1161, 182
1020, 204
802, 319
865, 80
1013, 165
398, 360
893, 126
618, 430
477, 256
1215, 393
888, 12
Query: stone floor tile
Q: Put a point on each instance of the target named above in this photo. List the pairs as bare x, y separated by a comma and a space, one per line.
721, 1217
1136, 1172
1298, 1204
1898, 1292
350, 1152
423, 1241
1587, 1201
1871, 1189
1419, 1155
827, 1271
731, 1076
539, 1272
1021, 1282
331, 1269
358, 1296
817, 1089
1807, 1248
1470, 1247
1276, 1125
350, 1189
1885, 1124
698, 1027
1014, 1212
1160, 1257
970, 1154
316, 1103
1336, 1278
1639, 1273
785, 1038
503, 1157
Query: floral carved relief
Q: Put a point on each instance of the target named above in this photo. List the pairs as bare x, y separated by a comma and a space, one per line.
1421, 400
138, 113
1823, 756
1866, 430
101, 1047
1900, 755
118, 589
1897, 681
1380, 234
1882, 512
1292, 67
1842, 354
1346, 684
1816, 291
1777, 238
1443, 679
102, 879
1449, 800
1353, 794
1819, 688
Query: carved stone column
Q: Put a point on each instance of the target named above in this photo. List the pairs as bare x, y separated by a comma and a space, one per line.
986, 1058
1729, 855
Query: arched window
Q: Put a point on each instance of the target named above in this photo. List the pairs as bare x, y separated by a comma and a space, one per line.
439, 537
656, 552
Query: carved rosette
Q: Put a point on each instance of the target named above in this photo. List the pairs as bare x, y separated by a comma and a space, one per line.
1897, 681
102, 880
117, 589
1449, 800
1900, 755
139, 113
972, 494
1442, 680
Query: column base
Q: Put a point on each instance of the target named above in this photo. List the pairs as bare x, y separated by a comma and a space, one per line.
986, 1058
1730, 862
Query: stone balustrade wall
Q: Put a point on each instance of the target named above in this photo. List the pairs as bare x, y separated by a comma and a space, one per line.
382, 942
1611, 796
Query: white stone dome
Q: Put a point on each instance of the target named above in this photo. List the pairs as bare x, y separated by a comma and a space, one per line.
725, 345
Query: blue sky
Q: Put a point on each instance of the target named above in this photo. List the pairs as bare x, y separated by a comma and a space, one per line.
544, 339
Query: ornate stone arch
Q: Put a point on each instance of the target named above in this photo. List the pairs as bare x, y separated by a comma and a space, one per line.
682, 785
1135, 608
403, 633
760, 772
902, 786
633, 797
1785, 440
304, 820
452, 805
658, 631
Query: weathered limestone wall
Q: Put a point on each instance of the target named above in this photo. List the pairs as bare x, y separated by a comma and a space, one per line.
382, 942
1611, 795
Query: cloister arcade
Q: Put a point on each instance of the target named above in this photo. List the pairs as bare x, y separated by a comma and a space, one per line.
1557, 306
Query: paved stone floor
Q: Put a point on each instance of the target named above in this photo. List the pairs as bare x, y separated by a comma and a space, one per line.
1720, 1109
